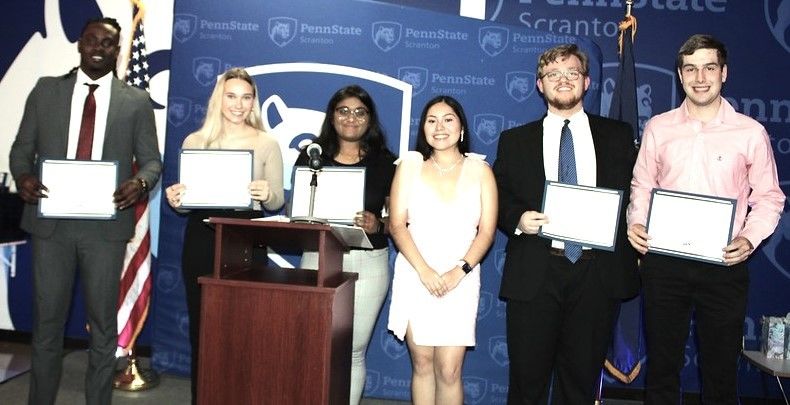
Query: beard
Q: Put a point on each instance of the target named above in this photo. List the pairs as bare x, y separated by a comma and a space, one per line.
564, 103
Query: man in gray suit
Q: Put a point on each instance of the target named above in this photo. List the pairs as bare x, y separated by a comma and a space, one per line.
122, 129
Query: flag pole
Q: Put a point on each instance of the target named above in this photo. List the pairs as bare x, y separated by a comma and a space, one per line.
628, 22
133, 377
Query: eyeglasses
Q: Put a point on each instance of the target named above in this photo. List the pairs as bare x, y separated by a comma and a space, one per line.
555, 75
360, 114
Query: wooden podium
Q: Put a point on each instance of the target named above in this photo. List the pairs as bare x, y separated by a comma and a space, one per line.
271, 335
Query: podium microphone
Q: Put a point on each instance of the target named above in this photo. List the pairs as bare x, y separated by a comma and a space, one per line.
315, 163
314, 153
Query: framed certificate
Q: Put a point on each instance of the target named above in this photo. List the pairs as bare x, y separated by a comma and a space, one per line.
690, 226
78, 189
339, 194
215, 178
581, 214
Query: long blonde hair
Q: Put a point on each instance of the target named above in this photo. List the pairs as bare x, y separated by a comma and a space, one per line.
212, 131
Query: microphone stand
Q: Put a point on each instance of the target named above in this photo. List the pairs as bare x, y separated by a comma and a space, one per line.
310, 219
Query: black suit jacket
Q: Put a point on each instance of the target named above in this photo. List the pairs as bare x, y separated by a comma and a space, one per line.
520, 178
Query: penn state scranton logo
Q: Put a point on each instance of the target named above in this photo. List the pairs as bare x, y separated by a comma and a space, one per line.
416, 76
497, 349
372, 381
386, 34
519, 85
391, 347
282, 30
648, 101
184, 26
484, 306
493, 40
178, 109
475, 389
488, 126
205, 70
777, 15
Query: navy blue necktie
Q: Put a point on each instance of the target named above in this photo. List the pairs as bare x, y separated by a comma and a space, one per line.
567, 175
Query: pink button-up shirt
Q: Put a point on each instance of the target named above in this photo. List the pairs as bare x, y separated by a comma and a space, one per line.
729, 157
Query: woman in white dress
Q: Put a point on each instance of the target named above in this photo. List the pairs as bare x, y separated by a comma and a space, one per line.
442, 218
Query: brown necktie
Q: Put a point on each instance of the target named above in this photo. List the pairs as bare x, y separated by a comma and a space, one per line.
85, 142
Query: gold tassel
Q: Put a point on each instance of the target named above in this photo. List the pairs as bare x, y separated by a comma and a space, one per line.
628, 22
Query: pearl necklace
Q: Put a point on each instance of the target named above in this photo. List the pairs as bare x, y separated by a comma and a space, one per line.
447, 170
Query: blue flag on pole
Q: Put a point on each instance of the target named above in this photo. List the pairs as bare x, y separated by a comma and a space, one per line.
624, 106
624, 358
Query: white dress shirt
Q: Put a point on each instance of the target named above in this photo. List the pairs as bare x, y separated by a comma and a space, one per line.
102, 96
583, 149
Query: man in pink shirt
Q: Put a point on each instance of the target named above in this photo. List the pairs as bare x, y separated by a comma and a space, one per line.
702, 147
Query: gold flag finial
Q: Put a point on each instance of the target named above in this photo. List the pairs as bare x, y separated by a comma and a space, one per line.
629, 21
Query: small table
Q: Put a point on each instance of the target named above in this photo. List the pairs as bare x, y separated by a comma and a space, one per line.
779, 368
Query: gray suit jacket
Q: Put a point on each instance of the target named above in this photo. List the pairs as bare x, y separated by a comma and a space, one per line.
43, 134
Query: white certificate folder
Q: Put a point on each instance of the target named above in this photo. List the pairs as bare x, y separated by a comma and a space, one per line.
215, 178
339, 194
78, 189
582, 214
691, 226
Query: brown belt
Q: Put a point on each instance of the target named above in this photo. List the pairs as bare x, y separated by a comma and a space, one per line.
586, 254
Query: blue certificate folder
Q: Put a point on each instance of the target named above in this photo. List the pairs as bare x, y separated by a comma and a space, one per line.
690, 226
78, 189
586, 215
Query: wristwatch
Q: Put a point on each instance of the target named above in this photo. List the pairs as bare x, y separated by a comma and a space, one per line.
465, 266
143, 184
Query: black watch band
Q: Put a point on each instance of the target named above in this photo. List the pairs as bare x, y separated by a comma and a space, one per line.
465, 266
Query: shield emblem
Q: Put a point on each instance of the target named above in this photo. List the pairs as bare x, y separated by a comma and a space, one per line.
282, 30
386, 34
493, 40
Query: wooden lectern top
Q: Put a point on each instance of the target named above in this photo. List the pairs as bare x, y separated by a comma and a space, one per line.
236, 238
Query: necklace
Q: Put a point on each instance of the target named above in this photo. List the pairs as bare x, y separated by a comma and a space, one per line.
447, 170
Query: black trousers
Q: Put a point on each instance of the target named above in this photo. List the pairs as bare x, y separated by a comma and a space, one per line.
563, 332
675, 288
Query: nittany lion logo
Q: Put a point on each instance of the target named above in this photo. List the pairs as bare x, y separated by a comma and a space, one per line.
487, 301
777, 16
282, 30
205, 70
386, 34
372, 381
178, 109
519, 85
493, 40
497, 349
184, 26
488, 126
416, 76
475, 389
391, 347
297, 128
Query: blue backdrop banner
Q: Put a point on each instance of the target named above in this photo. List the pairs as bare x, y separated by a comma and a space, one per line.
299, 53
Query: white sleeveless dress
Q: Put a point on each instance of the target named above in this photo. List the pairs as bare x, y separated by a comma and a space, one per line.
443, 232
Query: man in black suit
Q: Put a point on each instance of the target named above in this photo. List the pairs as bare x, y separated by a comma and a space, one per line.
122, 129
561, 301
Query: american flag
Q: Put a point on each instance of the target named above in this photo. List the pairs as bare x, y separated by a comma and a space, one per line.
135, 289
